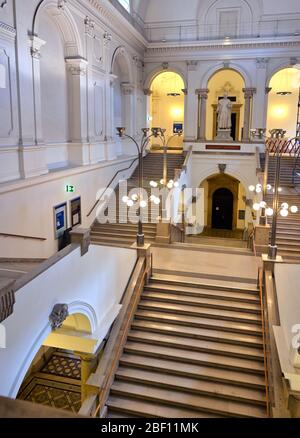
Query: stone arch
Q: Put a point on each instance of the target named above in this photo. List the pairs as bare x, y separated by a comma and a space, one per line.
121, 57
64, 21
222, 66
158, 70
76, 307
281, 65
209, 172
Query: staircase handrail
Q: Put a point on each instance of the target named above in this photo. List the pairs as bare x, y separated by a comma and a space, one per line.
296, 160
21, 236
108, 186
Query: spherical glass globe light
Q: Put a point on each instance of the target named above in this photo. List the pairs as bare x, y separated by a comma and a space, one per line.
294, 209
162, 181
279, 189
156, 201
252, 188
152, 198
170, 185
284, 212
176, 184
143, 204
269, 212
258, 189
130, 203
269, 187
256, 207
125, 199
263, 204
285, 206
153, 184
135, 197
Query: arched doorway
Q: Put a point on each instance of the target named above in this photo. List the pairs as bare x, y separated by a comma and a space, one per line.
167, 105
283, 101
231, 82
222, 209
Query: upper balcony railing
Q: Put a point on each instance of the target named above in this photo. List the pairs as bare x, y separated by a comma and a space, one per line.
196, 32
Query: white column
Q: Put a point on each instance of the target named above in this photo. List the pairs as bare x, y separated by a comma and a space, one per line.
260, 99
78, 149
202, 101
248, 93
191, 103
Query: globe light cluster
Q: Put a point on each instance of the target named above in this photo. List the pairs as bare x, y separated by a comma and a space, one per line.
283, 210
170, 184
135, 198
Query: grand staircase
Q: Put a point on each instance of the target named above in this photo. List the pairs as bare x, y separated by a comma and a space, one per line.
123, 232
193, 351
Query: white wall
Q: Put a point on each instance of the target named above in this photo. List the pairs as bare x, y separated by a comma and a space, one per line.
27, 209
92, 285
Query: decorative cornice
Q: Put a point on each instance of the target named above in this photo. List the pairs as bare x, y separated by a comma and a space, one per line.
7, 32
202, 92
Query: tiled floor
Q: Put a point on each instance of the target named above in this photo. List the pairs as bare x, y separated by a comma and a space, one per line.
57, 384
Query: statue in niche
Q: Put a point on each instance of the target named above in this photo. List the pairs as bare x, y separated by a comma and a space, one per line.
224, 113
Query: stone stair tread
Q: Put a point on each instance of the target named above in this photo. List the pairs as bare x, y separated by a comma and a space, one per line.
187, 400
146, 409
193, 370
177, 282
215, 360
204, 292
188, 384
205, 302
228, 315
190, 321
199, 333
196, 344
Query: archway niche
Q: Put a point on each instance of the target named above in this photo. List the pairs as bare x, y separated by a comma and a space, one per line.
57, 374
167, 105
222, 191
283, 101
231, 82
123, 90
54, 86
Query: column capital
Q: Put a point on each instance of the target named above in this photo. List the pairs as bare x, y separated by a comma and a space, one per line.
202, 92
89, 26
77, 66
127, 88
249, 92
147, 92
106, 39
36, 45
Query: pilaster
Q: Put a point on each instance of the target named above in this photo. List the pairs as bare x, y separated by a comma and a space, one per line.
248, 94
202, 94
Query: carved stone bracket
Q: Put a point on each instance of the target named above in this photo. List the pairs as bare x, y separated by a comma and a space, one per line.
58, 315
222, 168
147, 92
249, 92
106, 38
7, 300
192, 65
165, 65
89, 26
36, 45
268, 90
61, 4
185, 91
262, 63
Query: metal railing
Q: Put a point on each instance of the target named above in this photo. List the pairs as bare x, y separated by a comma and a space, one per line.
108, 186
207, 32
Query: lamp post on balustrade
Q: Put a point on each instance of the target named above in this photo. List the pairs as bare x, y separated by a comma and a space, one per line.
155, 132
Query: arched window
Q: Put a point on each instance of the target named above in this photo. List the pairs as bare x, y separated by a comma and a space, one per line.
125, 4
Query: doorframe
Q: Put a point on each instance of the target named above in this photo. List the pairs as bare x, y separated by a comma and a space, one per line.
223, 182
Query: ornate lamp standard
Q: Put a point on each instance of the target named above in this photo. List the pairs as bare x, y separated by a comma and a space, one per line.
155, 132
